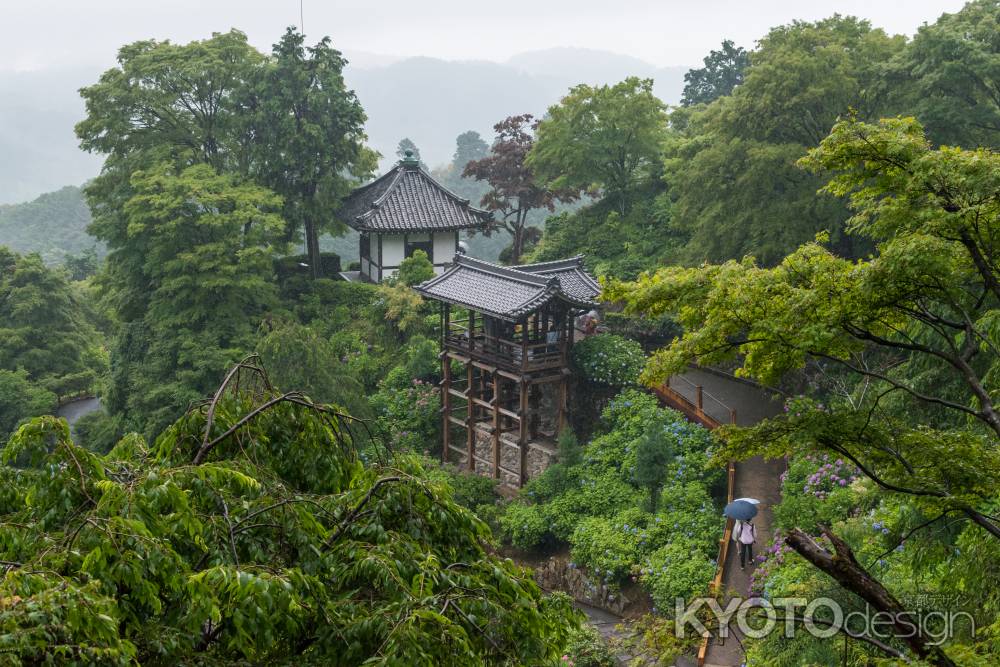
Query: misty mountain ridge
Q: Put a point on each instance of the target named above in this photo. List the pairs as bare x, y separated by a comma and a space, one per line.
428, 100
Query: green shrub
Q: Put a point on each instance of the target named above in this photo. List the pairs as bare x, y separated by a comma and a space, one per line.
606, 548
358, 358
290, 269
687, 513
98, 431
596, 501
420, 358
609, 360
524, 526
630, 411
595, 493
472, 490
676, 570
570, 451
415, 269
408, 411
816, 490
587, 648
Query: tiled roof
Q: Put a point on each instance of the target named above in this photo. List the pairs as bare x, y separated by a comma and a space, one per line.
507, 292
407, 198
573, 278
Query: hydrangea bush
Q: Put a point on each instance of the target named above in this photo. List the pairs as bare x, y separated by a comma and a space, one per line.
599, 506
817, 489
609, 360
407, 409
679, 569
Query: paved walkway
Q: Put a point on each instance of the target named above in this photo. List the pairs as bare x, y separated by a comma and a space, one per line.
73, 410
755, 478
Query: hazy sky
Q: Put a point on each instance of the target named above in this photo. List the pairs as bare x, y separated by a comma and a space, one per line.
42, 33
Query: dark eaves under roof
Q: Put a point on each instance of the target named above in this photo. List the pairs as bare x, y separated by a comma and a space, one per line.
508, 292
408, 199
573, 277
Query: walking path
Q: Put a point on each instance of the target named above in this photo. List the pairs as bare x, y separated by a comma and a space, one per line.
73, 410
755, 478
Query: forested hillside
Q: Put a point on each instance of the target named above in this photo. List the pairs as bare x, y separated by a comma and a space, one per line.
427, 99
724, 182
54, 225
264, 483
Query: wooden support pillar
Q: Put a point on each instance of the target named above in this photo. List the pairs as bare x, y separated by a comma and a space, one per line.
496, 425
445, 405
522, 436
470, 422
562, 403
481, 392
524, 345
472, 330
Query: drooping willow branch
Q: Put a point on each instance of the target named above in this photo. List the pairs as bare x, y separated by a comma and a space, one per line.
291, 397
345, 524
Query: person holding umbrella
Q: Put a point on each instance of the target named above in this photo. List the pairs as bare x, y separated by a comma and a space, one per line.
746, 534
743, 510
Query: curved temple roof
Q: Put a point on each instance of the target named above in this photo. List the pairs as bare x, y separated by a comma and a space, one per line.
408, 199
509, 292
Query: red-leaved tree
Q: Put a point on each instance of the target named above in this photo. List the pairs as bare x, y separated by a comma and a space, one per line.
513, 193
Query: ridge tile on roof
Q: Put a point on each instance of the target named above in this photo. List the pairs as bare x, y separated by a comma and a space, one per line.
507, 292
407, 198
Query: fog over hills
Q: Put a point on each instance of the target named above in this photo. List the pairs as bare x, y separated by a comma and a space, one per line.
38, 150
429, 100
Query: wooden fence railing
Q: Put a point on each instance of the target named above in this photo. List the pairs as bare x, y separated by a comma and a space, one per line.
695, 403
720, 568
692, 400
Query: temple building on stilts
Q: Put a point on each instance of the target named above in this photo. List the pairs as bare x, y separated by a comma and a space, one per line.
507, 332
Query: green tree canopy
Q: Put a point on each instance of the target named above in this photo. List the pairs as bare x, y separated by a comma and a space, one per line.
168, 101
723, 71
915, 324
731, 167
251, 533
406, 145
469, 146
949, 74
605, 137
415, 269
309, 136
298, 356
201, 245
21, 399
287, 121
43, 327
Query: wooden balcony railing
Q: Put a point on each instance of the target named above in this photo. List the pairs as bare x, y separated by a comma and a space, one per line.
507, 353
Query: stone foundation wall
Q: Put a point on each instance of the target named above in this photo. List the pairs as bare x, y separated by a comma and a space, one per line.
548, 409
484, 452
540, 457
558, 574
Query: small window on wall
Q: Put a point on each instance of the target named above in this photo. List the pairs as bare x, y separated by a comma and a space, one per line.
366, 245
416, 242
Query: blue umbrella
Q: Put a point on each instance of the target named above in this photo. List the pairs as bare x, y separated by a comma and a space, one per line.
740, 510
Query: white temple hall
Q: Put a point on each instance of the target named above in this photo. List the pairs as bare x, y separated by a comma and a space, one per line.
403, 211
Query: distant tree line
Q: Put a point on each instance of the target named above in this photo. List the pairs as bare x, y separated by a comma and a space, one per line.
716, 178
